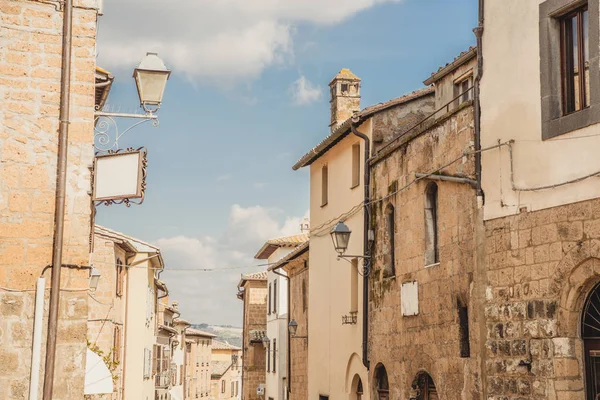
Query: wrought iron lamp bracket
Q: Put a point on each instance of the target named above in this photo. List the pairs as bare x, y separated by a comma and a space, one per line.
106, 129
366, 269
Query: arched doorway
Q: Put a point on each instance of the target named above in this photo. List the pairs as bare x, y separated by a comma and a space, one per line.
382, 385
590, 333
423, 388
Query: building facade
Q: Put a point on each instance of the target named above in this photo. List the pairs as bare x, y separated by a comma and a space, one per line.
198, 364
542, 202
295, 266
252, 290
30, 81
276, 384
422, 330
226, 371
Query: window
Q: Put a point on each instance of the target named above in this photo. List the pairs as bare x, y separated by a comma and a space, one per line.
274, 354
269, 299
222, 386
390, 225
232, 389
354, 285
304, 299
570, 81
463, 328
120, 277
275, 296
237, 388
575, 58
148, 363
269, 357
590, 333
463, 90
381, 383
355, 165
424, 387
324, 185
323, 397
117, 344
431, 224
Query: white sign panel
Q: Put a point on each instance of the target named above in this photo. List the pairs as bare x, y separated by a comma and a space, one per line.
119, 176
409, 296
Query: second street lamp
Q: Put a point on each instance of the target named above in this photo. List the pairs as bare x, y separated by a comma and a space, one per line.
340, 235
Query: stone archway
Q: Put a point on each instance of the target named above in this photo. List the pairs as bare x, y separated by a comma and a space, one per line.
381, 384
423, 387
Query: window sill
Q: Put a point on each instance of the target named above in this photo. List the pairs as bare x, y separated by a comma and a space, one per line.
323, 205
433, 265
354, 186
571, 122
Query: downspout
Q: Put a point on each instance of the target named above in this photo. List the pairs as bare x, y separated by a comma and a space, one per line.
366, 249
36, 352
479, 35
480, 276
61, 184
289, 344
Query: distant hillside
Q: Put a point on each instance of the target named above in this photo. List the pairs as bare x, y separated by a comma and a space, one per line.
225, 333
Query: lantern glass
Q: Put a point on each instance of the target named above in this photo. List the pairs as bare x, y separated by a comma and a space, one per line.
151, 79
293, 327
266, 341
340, 235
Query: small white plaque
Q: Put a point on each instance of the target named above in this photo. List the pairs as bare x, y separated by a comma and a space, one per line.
409, 294
118, 176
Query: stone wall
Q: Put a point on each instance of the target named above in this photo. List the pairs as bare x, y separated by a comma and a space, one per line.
254, 356
430, 341
30, 68
541, 267
297, 270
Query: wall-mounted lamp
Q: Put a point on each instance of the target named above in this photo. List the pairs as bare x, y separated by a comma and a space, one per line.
151, 79
266, 341
293, 328
340, 235
94, 278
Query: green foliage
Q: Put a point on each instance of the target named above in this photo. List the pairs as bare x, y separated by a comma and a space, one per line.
107, 358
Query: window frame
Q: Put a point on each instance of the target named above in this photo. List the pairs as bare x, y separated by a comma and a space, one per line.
566, 47
554, 121
432, 202
390, 227
355, 166
275, 297
324, 185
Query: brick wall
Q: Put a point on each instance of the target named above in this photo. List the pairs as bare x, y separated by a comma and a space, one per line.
298, 272
541, 267
429, 341
30, 62
255, 318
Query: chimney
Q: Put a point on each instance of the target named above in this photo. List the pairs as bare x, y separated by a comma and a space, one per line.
345, 97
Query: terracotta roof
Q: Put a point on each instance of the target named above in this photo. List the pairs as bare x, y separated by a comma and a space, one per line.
218, 368
167, 328
181, 321
257, 276
273, 244
216, 345
344, 129
297, 251
139, 245
197, 332
459, 60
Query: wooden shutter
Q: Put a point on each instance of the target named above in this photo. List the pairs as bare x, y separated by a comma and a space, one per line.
117, 344
154, 359
355, 165
120, 275
274, 354
275, 296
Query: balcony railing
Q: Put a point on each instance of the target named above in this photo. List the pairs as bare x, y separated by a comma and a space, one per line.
162, 379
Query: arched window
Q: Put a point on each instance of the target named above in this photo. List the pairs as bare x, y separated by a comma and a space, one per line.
423, 388
431, 224
590, 333
357, 388
390, 216
381, 383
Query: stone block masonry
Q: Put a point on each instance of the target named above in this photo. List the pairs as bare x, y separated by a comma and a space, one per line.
542, 266
30, 63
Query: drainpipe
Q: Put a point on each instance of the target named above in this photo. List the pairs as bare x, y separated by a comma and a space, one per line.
61, 184
480, 275
366, 250
289, 344
479, 35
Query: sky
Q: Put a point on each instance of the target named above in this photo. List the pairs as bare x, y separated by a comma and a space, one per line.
247, 98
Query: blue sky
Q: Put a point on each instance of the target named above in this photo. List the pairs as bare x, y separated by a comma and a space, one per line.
219, 178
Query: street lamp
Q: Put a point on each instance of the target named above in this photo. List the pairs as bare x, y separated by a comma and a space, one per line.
94, 278
293, 327
340, 235
266, 341
151, 78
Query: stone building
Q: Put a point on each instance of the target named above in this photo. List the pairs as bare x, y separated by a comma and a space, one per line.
422, 331
542, 199
30, 78
296, 267
198, 357
252, 290
338, 364
226, 371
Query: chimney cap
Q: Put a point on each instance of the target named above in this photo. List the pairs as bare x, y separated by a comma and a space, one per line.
346, 75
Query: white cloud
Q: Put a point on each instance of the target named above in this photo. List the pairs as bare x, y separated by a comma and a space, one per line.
303, 92
211, 296
213, 41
